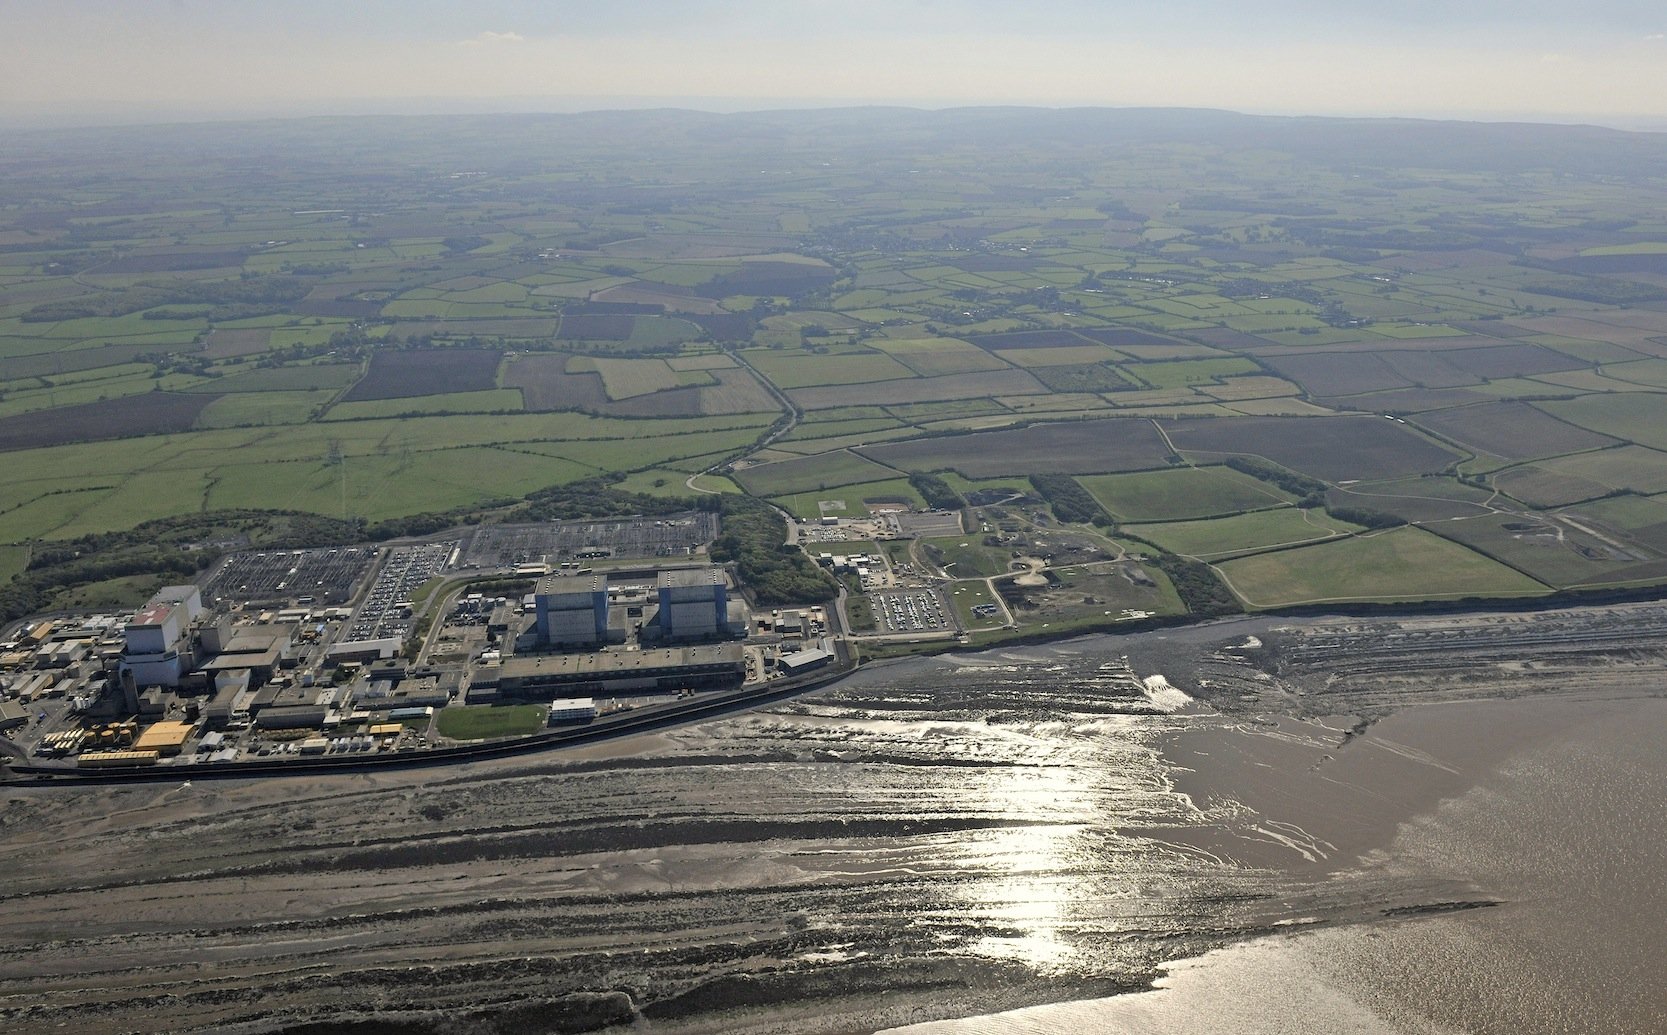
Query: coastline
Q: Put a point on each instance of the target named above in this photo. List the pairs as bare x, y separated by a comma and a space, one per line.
938, 837
1566, 946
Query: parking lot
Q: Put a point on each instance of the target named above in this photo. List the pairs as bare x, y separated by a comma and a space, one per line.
328, 576
495, 546
383, 613
917, 610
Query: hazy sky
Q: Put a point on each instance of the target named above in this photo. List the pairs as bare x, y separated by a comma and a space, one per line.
103, 60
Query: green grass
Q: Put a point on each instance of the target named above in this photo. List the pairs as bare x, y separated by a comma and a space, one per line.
1180, 373
965, 557
931, 357
807, 504
1403, 565
284, 379
13, 560
493, 400
628, 378
125, 593
1221, 537
484, 722
824, 429
262, 408
796, 369
1179, 494
963, 597
661, 482
812, 474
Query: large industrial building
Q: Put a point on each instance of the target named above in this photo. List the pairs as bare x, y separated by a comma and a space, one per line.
694, 604
545, 677
583, 612
157, 644
572, 611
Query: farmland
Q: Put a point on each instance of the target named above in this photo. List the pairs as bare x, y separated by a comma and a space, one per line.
1187, 492
1444, 329
1405, 564
1083, 447
1243, 533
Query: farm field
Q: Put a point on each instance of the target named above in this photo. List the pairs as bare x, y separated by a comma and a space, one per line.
1080, 447
1243, 533
1569, 479
847, 501
1186, 492
1335, 449
1512, 431
365, 340
825, 471
1401, 565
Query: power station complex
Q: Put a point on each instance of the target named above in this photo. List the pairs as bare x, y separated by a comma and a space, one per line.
267, 657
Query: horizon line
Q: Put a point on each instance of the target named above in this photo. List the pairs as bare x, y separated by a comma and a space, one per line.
116, 116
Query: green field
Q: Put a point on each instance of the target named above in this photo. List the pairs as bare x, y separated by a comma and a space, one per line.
1403, 564
966, 557
13, 559
812, 474
484, 722
790, 369
968, 595
917, 299
1225, 536
846, 501
1185, 492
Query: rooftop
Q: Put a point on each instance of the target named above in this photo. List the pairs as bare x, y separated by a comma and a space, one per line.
152, 615
558, 585
616, 662
159, 736
679, 578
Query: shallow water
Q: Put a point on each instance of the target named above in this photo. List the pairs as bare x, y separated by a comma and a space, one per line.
1565, 833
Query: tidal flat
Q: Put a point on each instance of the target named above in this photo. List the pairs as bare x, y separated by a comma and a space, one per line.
1444, 823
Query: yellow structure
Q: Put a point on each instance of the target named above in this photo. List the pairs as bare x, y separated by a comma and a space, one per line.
165, 738
106, 759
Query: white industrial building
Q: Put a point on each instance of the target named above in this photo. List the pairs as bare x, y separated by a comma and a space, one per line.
156, 647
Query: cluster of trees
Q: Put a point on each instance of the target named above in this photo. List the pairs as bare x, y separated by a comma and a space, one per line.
596, 498
1312, 490
1362, 516
754, 537
1201, 590
34, 589
214, 299
936, 492
176, 547
1069, 500
1601, 290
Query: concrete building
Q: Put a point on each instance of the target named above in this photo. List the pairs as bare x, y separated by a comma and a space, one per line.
802, 661
187, 598
363, 650
155, 650
571, 610
548, 677
572, 709
694, 605
156, 643
165, 738
12, 717
290, 717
